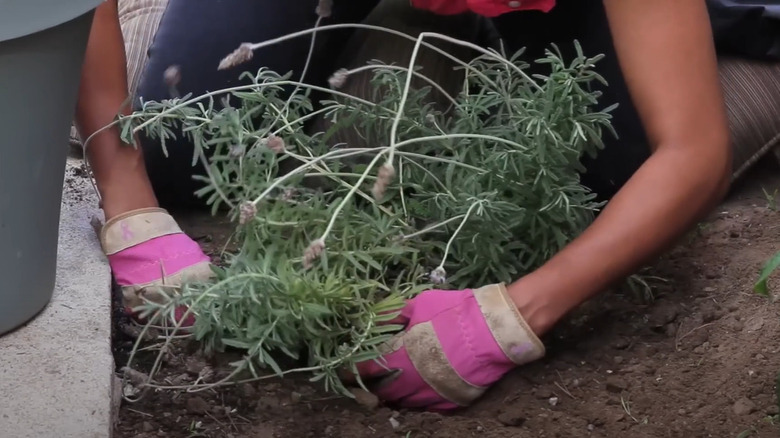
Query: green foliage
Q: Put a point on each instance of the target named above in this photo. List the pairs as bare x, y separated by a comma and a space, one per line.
333, 239
761, 286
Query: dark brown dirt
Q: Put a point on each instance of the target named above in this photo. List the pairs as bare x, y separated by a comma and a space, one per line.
699, 360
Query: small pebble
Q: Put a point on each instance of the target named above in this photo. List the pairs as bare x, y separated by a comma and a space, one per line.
744, 406
147, 426
591, 427
618, 359
553, 401
395, 424
615, 384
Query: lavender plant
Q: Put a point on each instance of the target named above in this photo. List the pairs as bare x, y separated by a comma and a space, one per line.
333, 238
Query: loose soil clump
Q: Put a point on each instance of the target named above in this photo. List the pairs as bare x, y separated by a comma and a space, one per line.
699, 359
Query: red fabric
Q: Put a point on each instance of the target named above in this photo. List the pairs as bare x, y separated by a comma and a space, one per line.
487, 8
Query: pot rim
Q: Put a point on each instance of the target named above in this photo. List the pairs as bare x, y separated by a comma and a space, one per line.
19, 18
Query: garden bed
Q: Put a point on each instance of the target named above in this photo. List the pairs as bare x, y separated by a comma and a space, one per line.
699, 360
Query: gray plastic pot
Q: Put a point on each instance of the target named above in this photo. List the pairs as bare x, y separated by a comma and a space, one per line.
42, 45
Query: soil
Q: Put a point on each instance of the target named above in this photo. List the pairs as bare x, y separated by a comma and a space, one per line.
699, 359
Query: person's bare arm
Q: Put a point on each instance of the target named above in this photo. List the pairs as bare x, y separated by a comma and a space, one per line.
119, 169
665, 49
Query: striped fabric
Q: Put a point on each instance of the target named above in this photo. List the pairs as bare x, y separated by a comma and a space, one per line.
752, 93
139, 20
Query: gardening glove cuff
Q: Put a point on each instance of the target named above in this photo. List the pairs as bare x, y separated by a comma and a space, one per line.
148, 251
455, 345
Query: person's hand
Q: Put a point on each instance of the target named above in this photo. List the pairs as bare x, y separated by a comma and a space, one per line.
147, 249
454, 346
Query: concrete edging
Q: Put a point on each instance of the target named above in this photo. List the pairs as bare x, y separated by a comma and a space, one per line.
57, 375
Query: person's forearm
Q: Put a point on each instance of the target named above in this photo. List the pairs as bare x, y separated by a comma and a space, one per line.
119, 169
104, 74
668, 194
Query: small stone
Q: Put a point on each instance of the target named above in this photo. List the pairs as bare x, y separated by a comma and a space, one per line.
480, 428
760, 356
709, 289
395, 424
754, 324
618, 359
329, 430
615, 385
365, 398
147, 426
553, 401
681, 411
511, 419
591, 427
197, 405
744, 406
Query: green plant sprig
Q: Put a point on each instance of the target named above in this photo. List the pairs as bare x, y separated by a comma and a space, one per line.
332, 242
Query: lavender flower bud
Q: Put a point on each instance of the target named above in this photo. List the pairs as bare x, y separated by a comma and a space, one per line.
324, 8
313, 252
338, 79
438, 276
383, 179
172, 76
239, 56
275, 144
236, 151
246, 212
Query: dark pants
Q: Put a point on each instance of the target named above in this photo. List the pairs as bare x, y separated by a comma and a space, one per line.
197, 34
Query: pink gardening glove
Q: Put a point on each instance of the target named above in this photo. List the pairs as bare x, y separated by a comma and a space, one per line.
455, 345
487, 8
147, 249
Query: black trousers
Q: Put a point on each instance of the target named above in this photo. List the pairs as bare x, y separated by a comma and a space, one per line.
197, 34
